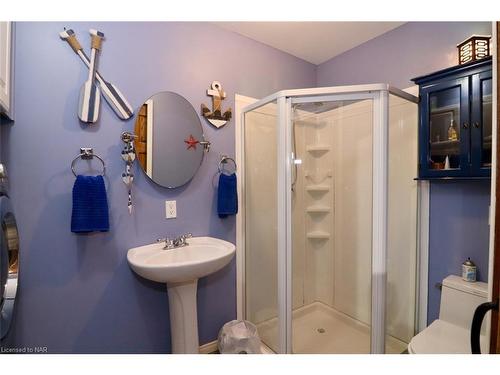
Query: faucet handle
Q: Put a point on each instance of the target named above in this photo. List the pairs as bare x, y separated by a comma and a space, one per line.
169, 242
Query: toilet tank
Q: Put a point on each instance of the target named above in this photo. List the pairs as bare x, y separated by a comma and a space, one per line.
459, 300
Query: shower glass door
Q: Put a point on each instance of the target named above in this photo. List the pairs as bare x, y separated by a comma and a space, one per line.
260, 195
328, 219
402, 224
332, 179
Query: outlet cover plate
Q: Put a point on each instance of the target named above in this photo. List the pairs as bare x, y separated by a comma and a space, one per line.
170, 209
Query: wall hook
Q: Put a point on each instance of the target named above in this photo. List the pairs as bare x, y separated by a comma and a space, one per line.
215, 116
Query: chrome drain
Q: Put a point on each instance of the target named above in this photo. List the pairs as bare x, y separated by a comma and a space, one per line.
321, 330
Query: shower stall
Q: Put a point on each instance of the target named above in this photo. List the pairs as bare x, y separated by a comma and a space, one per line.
327, 228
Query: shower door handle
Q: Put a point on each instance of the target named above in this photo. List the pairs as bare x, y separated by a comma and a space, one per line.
477, 321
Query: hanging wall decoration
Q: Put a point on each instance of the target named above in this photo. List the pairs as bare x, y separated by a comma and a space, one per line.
128, 156
215, 116
191, 142
110, 92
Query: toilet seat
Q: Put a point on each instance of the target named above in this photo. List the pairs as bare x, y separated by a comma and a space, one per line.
442, 338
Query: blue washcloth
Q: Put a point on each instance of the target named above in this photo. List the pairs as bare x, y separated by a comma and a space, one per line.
227, 196
90, 205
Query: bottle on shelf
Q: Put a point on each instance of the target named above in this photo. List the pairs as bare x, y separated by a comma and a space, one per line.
452, 132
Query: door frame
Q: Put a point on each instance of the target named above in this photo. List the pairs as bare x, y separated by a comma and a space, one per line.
494, 259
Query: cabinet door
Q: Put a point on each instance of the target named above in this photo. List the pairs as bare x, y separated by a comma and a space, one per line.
445, 130
5, 58
481, 121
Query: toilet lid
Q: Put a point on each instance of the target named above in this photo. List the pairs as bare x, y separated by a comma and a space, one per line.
442, 338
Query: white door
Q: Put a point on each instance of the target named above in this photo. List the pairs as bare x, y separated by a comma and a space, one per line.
5, 66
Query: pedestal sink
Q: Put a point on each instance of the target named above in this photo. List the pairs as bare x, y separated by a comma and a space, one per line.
180, 268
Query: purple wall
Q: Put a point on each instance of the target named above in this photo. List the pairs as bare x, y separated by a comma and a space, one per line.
413, 49
458, 229
458, 210
77, 293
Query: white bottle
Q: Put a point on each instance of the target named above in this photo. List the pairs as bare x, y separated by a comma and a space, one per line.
447, 163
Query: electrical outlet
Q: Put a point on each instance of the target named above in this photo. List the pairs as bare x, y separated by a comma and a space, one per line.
170, 209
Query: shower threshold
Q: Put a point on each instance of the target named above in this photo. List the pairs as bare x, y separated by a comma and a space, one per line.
320, 329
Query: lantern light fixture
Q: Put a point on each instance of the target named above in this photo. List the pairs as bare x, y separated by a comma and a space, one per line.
474, 48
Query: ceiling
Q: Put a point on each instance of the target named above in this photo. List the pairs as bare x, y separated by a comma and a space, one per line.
315, 42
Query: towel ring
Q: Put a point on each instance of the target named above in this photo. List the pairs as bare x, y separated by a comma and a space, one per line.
87, 154
224, 160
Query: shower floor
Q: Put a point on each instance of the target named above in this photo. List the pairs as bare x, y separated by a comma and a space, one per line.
320, 329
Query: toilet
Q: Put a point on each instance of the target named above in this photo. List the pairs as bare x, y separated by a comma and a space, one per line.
450, 334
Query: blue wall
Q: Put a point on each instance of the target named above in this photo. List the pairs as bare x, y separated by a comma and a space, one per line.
411, 50
458, 229
458, 210
77, 293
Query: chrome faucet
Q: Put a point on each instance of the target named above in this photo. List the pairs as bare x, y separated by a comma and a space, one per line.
172, 243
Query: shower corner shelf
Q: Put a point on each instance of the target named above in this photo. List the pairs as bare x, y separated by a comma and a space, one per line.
318, 209
318, 188
318, 235
318, 148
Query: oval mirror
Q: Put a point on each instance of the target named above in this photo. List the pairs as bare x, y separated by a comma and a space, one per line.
169, 133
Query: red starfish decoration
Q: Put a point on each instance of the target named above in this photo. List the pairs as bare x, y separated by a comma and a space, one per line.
191, 141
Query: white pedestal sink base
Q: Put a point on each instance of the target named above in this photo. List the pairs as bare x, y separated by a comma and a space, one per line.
180, 268
183, 317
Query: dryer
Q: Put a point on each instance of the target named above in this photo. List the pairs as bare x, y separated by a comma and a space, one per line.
9, 257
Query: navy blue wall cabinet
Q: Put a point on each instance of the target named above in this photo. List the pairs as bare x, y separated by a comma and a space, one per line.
455, 122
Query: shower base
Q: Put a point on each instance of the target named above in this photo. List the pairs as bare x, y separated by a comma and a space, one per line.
320, 329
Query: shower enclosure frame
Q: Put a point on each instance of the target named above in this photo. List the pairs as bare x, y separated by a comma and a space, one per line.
379, 94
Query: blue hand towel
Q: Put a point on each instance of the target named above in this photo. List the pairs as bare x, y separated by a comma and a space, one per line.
90, 205
227, 196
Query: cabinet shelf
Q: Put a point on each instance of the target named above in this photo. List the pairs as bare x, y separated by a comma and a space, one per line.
318, 235
318, 209
444, 148
321, 188
448, 178
318, 149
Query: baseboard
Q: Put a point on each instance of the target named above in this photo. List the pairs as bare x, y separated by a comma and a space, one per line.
209, 347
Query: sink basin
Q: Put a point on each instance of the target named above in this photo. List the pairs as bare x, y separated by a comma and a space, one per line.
180, 268
203, 256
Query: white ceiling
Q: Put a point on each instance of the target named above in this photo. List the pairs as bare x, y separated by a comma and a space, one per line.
315, 42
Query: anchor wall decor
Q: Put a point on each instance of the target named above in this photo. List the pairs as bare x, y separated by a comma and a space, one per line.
215, 116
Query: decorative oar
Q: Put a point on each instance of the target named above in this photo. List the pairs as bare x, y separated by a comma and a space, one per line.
90, 95
113, 96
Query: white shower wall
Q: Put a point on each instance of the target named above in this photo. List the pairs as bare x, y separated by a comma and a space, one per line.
337, 270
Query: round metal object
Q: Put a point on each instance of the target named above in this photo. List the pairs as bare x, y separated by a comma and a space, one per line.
9, 264
86, 156
223, 161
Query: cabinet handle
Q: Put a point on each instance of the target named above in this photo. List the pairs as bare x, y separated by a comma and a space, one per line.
466, 125
476, 124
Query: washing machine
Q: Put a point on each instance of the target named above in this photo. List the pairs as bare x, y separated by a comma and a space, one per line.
9, 257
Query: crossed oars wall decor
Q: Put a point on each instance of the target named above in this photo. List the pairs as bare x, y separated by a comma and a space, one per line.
90, 93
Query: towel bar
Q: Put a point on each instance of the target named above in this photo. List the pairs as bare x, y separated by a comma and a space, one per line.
224, 160
87, 153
